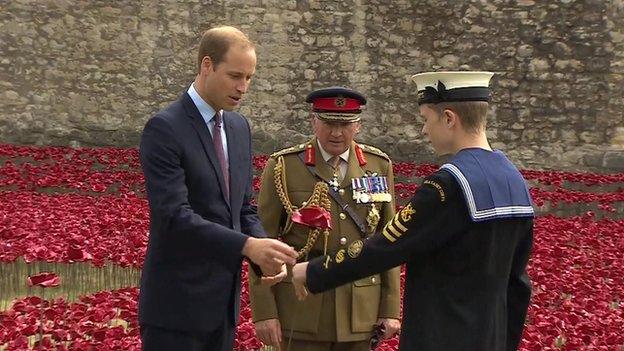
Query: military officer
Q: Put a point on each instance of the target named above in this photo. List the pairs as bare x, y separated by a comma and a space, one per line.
318, 197
465, 235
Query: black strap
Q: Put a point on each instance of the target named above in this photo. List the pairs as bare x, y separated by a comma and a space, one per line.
359, 222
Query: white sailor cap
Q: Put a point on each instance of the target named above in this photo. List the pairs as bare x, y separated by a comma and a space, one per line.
448, 86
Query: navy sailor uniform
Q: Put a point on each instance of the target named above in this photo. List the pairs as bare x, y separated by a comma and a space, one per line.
465, 237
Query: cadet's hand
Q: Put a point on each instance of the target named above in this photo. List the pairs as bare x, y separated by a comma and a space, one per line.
270, 332
274, 279
392, 325
299, 280
269, 254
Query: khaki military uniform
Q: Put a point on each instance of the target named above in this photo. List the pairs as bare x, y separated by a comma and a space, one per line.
347, 313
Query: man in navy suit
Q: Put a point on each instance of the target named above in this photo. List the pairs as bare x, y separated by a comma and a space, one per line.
196, 157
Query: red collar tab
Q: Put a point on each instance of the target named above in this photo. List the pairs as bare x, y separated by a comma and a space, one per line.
336, 104
360, 155
310, 157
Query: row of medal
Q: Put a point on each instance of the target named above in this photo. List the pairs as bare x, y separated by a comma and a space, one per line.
370, 189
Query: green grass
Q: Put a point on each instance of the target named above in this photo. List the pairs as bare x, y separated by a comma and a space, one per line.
77, 279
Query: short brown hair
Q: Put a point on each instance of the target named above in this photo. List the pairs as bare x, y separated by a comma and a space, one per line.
216, 42
473, 114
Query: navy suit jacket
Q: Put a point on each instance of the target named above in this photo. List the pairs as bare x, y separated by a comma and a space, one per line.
191, 275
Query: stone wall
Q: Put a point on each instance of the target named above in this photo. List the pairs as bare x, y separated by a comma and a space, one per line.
90, 73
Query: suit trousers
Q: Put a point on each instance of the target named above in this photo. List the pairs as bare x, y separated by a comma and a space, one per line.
161, 339
304, 345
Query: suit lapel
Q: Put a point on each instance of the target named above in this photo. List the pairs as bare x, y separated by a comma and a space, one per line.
206, 139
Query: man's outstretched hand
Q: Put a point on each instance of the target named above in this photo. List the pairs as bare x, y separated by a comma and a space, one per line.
274, 279
269, 254
299, 280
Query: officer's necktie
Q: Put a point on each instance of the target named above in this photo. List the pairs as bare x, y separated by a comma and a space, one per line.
334, 162
218, 144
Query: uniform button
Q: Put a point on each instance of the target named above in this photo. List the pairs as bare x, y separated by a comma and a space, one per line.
343, 216
341, 191
303, 204
373, 280
343, 241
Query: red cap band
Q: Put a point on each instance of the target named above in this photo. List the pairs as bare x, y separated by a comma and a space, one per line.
335, 104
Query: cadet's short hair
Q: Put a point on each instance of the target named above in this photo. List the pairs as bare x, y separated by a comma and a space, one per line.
473, 114
216, 42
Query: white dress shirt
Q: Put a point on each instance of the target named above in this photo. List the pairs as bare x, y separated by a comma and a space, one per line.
208, 113
344, 159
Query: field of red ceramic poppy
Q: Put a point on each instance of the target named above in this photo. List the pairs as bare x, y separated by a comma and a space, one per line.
73, 233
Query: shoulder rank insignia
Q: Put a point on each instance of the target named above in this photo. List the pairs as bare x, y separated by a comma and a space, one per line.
373, 150
288, 150
355, 248
371, 188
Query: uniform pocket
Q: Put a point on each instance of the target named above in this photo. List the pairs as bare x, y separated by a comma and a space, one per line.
365, 303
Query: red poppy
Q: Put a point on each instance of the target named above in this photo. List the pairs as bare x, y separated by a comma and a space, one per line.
60, 204
44, 280
313, 216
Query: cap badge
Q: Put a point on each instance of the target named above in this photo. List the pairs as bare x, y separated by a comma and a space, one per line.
340, 101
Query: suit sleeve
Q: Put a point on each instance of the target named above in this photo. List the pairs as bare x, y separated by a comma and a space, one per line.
519, 290
250, 223
434, 215
390, 303
271, 212
167, 193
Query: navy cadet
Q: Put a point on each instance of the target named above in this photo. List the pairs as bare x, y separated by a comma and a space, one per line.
317, 197
466, 234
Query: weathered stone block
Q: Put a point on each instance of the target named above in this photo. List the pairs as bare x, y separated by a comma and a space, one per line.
92, 74
614, 160
594, 159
